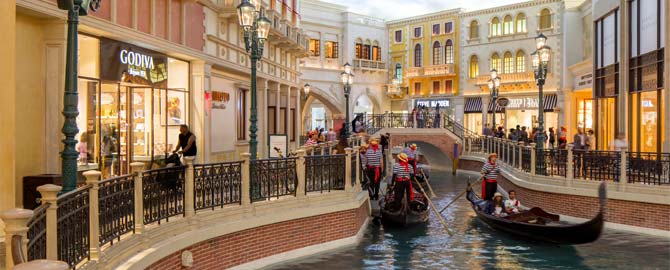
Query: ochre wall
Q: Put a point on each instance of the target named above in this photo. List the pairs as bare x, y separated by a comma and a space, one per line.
648, 215
246, 246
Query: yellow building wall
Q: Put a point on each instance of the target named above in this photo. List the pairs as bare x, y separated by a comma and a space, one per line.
7, 106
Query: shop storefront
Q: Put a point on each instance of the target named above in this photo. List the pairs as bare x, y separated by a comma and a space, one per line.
131, 103
444, 105
523, 111
473, 115
606, 78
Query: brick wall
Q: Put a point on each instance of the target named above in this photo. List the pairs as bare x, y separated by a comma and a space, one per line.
245, 246
648, 215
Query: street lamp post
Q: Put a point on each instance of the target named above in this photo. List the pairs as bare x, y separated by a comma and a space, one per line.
256, 27
75, 8
494, 84
347, 80
540, 64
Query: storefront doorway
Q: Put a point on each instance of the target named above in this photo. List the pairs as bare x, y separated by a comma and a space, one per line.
605, 125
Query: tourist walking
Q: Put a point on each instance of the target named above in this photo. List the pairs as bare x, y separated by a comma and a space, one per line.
490, 173
374, 166
331, 135
590, 140
438, 117
552, 138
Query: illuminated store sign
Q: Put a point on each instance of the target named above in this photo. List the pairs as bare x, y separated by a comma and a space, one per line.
122, 62
523, 103
433, 103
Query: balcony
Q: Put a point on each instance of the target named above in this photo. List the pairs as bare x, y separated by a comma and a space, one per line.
439, 70
508, 78
393, 91
369, 65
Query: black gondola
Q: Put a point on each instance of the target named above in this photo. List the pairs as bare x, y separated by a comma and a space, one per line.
403, 213
536, 224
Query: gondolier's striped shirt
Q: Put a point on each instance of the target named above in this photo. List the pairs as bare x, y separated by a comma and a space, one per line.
400, 171
490, 171
411, 154
373, 158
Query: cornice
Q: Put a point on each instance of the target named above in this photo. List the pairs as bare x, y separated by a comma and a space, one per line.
510, 7
320, 4
451, 13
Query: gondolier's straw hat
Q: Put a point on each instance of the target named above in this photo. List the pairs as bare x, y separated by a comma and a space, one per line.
413, 145
492, 155
402, 157
374, 141
497, 194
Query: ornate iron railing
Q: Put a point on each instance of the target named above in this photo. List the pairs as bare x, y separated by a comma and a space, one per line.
217, 184
37, 237
354, 159
476, 144
555, 162
117, 208
73, 226
597, 165
648, 168
273, 178
325, 173
163, 192
526, 159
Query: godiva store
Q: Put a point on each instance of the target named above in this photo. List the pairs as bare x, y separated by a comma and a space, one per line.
131, 103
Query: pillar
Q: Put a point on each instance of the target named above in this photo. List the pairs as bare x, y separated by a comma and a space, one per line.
197, 102
16, 223
666, 81
533, 158
347, 171
623, 179
8, 105
624, 74
521, 156
485, 110
289, 124
136, 169
262, 123
205, 147
358, 164
189, 187
322, 147
246, 179
300, 168
570, 169
49, 194
93, 179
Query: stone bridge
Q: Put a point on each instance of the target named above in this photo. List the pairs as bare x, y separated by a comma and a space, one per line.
443, 139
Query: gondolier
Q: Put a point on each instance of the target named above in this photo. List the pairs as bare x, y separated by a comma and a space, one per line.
490, 173
373, 165
402, 172
412, 156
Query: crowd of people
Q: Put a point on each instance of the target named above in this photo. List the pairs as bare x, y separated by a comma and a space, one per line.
554, 139
426, 117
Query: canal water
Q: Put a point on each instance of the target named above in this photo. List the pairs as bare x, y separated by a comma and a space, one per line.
474, 245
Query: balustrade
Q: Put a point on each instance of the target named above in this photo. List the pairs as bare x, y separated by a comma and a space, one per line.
325, 173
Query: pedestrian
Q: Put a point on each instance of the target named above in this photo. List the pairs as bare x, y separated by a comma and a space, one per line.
419, 117
312, 138
552, 138
512, 135
487, 130
436, 122
331, 135
524, 135
579, 140
619, 144
490, 173
591, 140
320, 136
374, 167
186, 142
562, 138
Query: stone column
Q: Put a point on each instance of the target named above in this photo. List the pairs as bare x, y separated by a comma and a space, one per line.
136, 168
322, 147
93, 179
246, 178
347, 171
197, 103
569, 167
300, 168
521, 156
16, 223
533, 158
358, 164
49, 194
8, 185
189, 187
289, 127
262, 122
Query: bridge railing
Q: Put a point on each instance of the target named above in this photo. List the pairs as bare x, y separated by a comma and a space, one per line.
76, 227
376, 122
616, 166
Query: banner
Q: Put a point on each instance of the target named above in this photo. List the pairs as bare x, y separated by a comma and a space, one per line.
122, 62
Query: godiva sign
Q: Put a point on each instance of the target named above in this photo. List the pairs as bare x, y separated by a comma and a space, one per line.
128, 63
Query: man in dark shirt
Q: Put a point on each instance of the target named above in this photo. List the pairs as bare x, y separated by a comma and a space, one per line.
186, 142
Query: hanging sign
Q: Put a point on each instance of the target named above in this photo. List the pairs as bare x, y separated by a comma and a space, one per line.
523, 103
433, 102
122, 62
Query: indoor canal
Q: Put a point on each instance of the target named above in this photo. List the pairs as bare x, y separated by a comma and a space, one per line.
474, 245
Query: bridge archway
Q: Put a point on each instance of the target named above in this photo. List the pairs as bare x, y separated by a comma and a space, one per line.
321, 97
446, 143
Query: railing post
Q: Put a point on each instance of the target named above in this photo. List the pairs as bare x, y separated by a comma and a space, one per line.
358, 164
301, 172
16, 223
322, 146
93, 179
569, 167
623, 179
42, 265
49, 194
520, 156
246, 178
347, 178
137, 168
189, 187
533, 158
468, 141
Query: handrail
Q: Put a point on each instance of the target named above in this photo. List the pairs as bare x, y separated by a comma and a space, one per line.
376, 122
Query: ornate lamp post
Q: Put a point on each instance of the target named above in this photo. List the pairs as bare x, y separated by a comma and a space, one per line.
306, 89
540, 64
494, 84
75, 8
256, 27
347, 80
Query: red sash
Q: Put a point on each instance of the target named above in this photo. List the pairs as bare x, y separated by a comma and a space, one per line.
484, 186
377, 173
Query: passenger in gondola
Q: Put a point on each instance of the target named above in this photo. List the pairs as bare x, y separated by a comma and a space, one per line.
497, 207
512, 204
374, 166
412, 156
490, 172
402, 183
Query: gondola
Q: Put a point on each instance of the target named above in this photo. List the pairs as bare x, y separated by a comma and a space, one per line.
536, 224
404, 214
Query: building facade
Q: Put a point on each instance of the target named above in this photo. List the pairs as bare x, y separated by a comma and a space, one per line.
337, 37
631, 73
424, 61
502, 38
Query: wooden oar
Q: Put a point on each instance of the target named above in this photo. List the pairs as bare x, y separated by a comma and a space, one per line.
432, 206
427, 183
461, 194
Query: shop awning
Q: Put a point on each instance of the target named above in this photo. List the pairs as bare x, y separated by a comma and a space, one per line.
550, 102
473, 105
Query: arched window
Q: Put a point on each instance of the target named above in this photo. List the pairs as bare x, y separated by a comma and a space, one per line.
521, 23
437, 53
474, 30
359, 48
520, 61
508, 25
398, 72
367, 50
496, 28
508, 62
474, 66
376, 51
545, 19
496, 62
417, 55
449, 52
